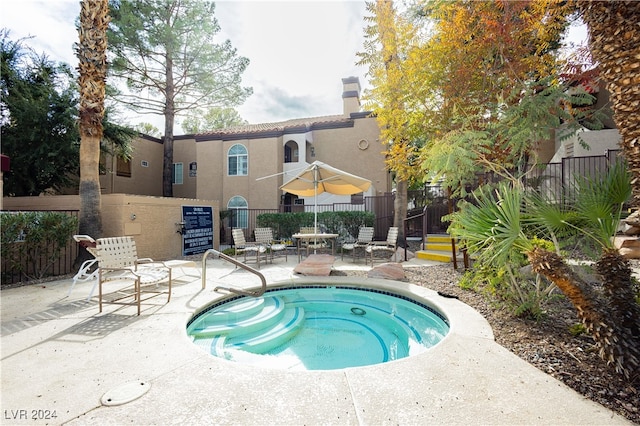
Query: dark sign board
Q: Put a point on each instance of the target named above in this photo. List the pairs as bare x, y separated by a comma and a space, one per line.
198, 229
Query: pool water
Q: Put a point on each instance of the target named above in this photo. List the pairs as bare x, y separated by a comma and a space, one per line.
318, 328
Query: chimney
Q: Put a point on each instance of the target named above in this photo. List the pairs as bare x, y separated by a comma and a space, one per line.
350, 95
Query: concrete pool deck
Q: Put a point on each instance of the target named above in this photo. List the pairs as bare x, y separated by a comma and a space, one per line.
60, 356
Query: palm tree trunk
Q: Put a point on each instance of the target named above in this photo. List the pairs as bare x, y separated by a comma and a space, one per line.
615, 272
92, 66
614, 41
610, 337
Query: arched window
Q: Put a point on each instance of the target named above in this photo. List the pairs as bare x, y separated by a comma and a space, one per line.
291, 152
240, 215
238, 160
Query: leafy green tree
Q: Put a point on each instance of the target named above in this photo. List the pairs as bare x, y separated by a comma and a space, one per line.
117, 139
198, 121
148, 129
40, 123
388, 45
165, 53
484, 59
39, 114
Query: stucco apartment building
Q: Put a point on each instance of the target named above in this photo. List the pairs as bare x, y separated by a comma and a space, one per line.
244, 166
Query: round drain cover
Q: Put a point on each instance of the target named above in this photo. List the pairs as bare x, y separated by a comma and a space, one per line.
125, 393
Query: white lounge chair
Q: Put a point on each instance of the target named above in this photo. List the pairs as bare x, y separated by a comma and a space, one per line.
89, 269
365, 236
243, 247
264, 236
118, 261
389, 245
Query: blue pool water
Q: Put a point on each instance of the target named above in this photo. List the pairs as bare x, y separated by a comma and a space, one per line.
317, 328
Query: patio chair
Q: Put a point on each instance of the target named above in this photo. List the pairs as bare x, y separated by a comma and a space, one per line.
118, 261
89, 269
389, 245
264, 236
365, 236
243, 247
307, 244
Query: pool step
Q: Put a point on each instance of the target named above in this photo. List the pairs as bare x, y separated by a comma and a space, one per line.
232, 312
271, 313
239, 309
266, 339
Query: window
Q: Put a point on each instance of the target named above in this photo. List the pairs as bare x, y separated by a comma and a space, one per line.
291, 152
238, 160
176, 177
123, 167
240, 215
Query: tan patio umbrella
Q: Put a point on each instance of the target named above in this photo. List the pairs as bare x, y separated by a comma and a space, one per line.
319, 177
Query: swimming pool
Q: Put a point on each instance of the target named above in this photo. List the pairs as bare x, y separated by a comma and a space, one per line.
318, 327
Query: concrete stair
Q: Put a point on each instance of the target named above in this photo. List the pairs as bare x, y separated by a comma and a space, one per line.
437, 248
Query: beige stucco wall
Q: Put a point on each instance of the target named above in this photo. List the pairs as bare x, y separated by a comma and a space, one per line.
153, 228
211, 169
354, 149
143, 180
184, 151
597, 141
265, 159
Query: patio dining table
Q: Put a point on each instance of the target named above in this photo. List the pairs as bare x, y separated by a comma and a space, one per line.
300, 237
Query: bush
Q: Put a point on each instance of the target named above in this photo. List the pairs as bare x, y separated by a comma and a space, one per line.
32, 241
344, 223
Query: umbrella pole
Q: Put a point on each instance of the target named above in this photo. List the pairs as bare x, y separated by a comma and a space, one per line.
315, 211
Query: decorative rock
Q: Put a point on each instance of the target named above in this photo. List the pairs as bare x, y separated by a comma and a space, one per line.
388, 271
629, 229
315, 265
400, 254
633, 219
629, 247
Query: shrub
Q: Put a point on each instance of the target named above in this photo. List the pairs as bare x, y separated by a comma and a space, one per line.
32, 241
344, 223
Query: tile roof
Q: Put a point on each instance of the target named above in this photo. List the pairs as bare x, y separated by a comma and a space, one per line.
280, 126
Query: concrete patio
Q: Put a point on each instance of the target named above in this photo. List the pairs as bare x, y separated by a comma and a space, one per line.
60, 357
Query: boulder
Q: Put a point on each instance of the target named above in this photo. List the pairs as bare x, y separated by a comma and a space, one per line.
315, 265
399, 256
387, 271
628, 229
633, 219
628, 247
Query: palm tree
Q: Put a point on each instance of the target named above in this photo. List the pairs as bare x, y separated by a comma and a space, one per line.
92, 67
614, 41
503, 221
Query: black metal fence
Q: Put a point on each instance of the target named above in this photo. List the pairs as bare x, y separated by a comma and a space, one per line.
557, 181
554, 179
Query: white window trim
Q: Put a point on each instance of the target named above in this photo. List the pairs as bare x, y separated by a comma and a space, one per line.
236, 156
178, 178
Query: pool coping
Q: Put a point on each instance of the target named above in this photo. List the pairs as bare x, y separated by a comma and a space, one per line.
59, 354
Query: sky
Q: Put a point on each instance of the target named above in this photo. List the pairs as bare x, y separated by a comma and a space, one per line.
298, 50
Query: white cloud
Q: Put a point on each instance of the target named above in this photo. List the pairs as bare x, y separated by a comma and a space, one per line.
51, 23
299, 50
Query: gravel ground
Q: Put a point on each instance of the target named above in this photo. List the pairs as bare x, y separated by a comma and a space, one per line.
546, 344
